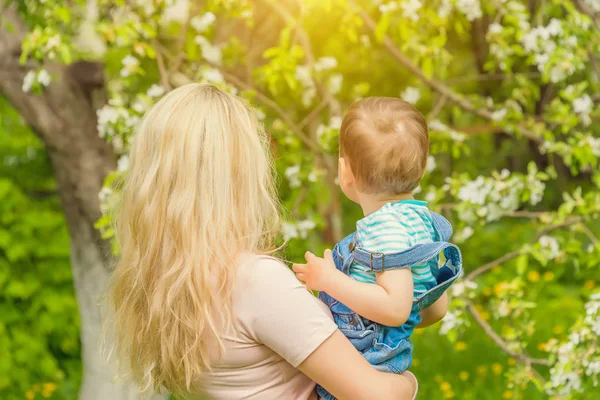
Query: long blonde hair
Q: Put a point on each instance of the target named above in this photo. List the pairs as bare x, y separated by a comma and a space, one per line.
199, 193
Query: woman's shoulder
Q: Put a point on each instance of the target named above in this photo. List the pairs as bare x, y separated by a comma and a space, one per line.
258, 273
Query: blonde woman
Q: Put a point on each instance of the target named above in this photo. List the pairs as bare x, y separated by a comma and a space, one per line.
198, 307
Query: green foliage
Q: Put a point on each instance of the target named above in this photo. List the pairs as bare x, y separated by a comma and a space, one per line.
39, 325
511, 93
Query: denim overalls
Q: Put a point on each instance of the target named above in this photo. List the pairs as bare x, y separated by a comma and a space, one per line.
389, 348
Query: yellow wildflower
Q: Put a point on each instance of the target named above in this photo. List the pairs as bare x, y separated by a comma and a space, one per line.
463, 375
449, 395
48, 389
507, 395
482, 370
589, 285
461, 346
548, 276
29, 395
558, 329
497, 368
445, 386
486, 291
511, 361
533, 276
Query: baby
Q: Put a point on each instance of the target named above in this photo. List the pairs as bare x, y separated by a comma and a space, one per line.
383, 281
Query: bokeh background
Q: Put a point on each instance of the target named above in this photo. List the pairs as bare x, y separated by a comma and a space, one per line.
510, 89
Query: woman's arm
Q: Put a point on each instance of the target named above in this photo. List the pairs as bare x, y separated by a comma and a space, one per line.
342, 371
434, 313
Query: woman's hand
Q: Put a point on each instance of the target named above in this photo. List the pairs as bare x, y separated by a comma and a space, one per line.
318, 273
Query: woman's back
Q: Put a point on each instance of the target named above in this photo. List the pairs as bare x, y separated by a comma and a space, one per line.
268, 304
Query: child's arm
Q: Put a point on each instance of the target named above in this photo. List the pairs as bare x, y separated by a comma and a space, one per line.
434, 313
388, 302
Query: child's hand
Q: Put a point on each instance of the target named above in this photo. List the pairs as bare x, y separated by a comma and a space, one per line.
317, 273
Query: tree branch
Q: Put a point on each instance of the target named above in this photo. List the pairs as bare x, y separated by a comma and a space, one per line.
514, 254
436, 85
487, 328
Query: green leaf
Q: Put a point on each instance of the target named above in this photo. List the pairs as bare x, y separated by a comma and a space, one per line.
427, 67
382, 27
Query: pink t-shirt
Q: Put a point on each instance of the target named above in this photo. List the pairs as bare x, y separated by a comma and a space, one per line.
277, 324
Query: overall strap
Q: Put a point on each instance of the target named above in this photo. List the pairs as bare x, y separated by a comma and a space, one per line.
417, 255
442, 226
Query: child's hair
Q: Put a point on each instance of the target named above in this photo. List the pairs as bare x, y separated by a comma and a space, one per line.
199, 193
386, 142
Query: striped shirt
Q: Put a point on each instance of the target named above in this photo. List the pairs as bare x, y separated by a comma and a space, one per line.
393, 228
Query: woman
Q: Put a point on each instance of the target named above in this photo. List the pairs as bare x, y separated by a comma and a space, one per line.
198, 306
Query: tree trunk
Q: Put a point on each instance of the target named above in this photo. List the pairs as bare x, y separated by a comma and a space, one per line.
65, 119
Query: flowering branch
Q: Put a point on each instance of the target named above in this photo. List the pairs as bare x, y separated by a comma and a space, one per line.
334, 104
487, 328
514, 254
435, 84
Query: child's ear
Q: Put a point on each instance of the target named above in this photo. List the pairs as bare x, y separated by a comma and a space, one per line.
345, 175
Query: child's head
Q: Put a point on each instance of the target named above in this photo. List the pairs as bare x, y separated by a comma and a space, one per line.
384, 145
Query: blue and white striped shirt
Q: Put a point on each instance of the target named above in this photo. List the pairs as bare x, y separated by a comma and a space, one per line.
393, 228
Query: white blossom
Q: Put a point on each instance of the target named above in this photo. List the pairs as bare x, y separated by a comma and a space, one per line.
178, 11
431, 164
461, 287
411, 95
28, 81
304, 76
551, 245
410, 9
260, 115
450, 321
305, 226
583, 104
300, 229
213, 75
139, 106
495, 28
130, 64
123, 163
53, 42
464, 234
155, 91
388, 7
445, 8
325, 63
554, 28
498, 115
291, 173
117, 144
470, 8
335, 84
593, 4
289, 231
202, 23
210, 52
335, 122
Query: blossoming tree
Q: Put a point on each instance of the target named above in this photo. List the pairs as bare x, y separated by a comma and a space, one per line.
509, 88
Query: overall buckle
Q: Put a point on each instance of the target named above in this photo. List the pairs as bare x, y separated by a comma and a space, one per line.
382, 261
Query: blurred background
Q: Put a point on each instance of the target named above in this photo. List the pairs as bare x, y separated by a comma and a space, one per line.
510, 89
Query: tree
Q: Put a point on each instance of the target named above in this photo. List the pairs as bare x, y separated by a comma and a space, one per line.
511, 86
